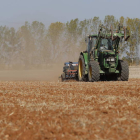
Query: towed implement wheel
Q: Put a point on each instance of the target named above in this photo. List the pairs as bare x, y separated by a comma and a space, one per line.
94, 71
81, 68
61, 79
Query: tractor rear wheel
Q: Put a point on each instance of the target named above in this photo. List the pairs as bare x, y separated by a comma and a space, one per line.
94, 71
81, 68
124, 71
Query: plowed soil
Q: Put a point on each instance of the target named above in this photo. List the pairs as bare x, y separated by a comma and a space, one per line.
70, 110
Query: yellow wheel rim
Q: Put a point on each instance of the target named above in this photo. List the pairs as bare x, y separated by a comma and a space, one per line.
90, 71
80, 68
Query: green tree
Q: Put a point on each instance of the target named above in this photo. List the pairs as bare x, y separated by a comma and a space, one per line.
38, 32
110, 21
26, 44
73, 32
133, 26
55, 36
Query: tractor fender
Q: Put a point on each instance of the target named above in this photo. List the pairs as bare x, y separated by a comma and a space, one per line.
85, 55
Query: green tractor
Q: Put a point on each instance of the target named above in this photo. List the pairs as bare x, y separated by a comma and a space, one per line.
101, 60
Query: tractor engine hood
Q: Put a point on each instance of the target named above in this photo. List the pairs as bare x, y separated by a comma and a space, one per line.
109, 60
109, 52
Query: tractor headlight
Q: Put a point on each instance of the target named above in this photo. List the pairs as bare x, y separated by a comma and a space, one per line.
110, 59
107, 59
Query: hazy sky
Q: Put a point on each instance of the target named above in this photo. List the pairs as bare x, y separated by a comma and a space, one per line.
16, 12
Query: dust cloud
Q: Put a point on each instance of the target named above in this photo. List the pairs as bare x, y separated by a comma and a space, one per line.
34, 52
48, 74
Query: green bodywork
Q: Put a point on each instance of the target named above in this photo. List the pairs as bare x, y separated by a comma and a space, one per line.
108, 58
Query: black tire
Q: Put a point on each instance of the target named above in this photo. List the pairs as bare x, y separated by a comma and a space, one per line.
81, 68
124, 71
61, 79
94, 71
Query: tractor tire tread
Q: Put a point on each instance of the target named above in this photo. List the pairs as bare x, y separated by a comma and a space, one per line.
124, 71
95, 71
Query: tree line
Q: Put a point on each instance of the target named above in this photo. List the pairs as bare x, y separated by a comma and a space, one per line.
34, 44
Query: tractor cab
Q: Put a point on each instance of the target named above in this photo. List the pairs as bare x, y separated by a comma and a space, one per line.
106, 44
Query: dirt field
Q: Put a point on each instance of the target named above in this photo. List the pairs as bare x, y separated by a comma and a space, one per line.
31, 107
70, 110
30, 75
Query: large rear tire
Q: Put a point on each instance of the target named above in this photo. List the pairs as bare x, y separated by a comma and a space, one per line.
94, 71
81, 68
124, 71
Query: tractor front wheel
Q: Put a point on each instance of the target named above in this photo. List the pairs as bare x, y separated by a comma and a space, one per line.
94, 71
124, 71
